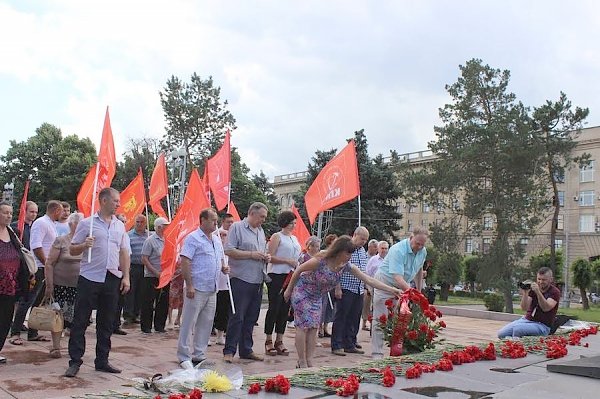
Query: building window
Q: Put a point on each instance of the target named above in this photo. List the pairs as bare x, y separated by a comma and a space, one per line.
469, 245
558, 244
560, 222
487, 242
424, 223
439, 207
412, 209
409, 226
455, 204
426, 208
559, 176
586, 224
586, 198
487, 222
561, 198
524, 241
586, 172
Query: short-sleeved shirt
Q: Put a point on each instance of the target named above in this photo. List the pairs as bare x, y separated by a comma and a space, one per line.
349, 281
373, 265
535, 313
244, 237
62, 228
206, 259
43, 234
66, 269
403, 261
109, 239
153, 248
137, 241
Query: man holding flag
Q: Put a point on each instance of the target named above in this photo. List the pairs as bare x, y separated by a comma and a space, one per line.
102, 278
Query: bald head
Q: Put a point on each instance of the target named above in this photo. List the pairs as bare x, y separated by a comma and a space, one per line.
360, 237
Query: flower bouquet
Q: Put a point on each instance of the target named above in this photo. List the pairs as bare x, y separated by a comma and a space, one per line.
410, 323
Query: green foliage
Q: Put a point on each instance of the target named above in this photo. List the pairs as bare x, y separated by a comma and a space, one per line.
448, 268
196, 118
56, 165
471, 266
494, 302
545, 260
582, 273
378, 187
142, 153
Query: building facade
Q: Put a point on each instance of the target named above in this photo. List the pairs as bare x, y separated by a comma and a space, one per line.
578, 228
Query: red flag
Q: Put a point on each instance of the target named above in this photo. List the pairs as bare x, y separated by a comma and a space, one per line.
185, 221
205, 181
107, 167
158, 186
133, 200
23, 211
300, 231
219, 174
335, 184
233, 211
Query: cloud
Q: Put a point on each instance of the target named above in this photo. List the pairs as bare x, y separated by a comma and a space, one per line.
298, 76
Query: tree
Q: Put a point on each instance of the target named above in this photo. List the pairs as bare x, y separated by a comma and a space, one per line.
141, 153
487, 165
378, 187
445, 239
545, 260
56, 165
471, 266
196, 118
582, 279
556, 126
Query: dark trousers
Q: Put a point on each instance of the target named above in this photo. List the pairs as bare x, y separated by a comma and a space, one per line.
155, 305
32, 299
133, 299
346, 320
118, 311
7, 310
223, 309
277, 314
100, 296
246, 298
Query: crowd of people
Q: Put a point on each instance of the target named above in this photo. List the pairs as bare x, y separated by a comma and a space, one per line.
87, 264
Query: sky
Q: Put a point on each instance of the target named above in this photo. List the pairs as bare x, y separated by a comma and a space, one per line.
298, 76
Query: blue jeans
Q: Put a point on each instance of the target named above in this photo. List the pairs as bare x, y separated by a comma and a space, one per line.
246, 298
522, 327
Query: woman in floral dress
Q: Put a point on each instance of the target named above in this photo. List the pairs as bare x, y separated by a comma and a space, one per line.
308, 284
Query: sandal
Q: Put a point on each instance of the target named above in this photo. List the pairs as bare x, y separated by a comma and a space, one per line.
38, 338
16, 340
269, 350
55, 353
281, 350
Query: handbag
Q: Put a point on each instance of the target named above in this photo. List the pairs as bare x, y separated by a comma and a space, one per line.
45, 318
27, 255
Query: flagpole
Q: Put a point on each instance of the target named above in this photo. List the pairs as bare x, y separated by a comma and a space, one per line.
168, 205
147, 221
229, 196
93, 206
359, 211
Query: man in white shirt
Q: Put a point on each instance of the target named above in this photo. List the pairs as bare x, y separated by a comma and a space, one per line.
42, 236
62, 227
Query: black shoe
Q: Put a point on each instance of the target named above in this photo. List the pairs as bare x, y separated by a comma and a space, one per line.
357, 346
118, 331
160, 331
72, 371
107, 368
146, 331
354, 350
326, 335
24, 328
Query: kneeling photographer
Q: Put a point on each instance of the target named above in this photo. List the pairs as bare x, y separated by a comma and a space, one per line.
540, 300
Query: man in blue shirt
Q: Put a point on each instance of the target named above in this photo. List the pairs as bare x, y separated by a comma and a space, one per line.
202, 261
403, 263
348, 309
133, 299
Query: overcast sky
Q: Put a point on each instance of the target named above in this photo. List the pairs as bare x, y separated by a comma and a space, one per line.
299, 76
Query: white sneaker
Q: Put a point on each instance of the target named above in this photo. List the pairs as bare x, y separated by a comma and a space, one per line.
221, 341
290, 324
186, 365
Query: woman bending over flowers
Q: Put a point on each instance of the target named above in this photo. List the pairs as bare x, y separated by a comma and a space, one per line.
314, 278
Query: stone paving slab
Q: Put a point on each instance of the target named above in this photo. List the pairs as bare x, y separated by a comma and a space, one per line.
31, 373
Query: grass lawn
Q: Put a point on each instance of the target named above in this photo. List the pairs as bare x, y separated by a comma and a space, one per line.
593, 314
459, 300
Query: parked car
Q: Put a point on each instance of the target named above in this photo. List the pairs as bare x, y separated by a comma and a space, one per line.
593, 298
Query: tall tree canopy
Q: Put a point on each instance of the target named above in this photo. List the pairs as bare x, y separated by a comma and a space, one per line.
378, 187
488, 164
56, 164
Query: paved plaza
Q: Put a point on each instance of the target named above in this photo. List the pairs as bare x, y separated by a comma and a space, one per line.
30, 373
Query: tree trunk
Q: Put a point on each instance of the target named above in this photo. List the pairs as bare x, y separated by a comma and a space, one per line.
508, 303
444, 290
584, 299
554, 225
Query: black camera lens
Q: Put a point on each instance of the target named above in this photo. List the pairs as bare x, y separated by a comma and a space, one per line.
525, 285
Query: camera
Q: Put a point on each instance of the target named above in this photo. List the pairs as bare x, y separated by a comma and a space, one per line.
525, 285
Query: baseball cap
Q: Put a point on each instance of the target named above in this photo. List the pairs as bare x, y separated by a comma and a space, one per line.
160, 222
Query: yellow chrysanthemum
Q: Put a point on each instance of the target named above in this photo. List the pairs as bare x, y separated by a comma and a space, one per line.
215, 382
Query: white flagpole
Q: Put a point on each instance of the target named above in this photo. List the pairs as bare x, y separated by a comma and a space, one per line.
359, 212
229, 195
168, 205
147, 222
229, 289
93, 206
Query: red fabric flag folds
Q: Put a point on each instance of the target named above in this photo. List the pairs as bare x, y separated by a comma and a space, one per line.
233, 211
300, 231
106, 165
159, 187
185, 221
335, 184
133, 200
23, 211
219, 174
